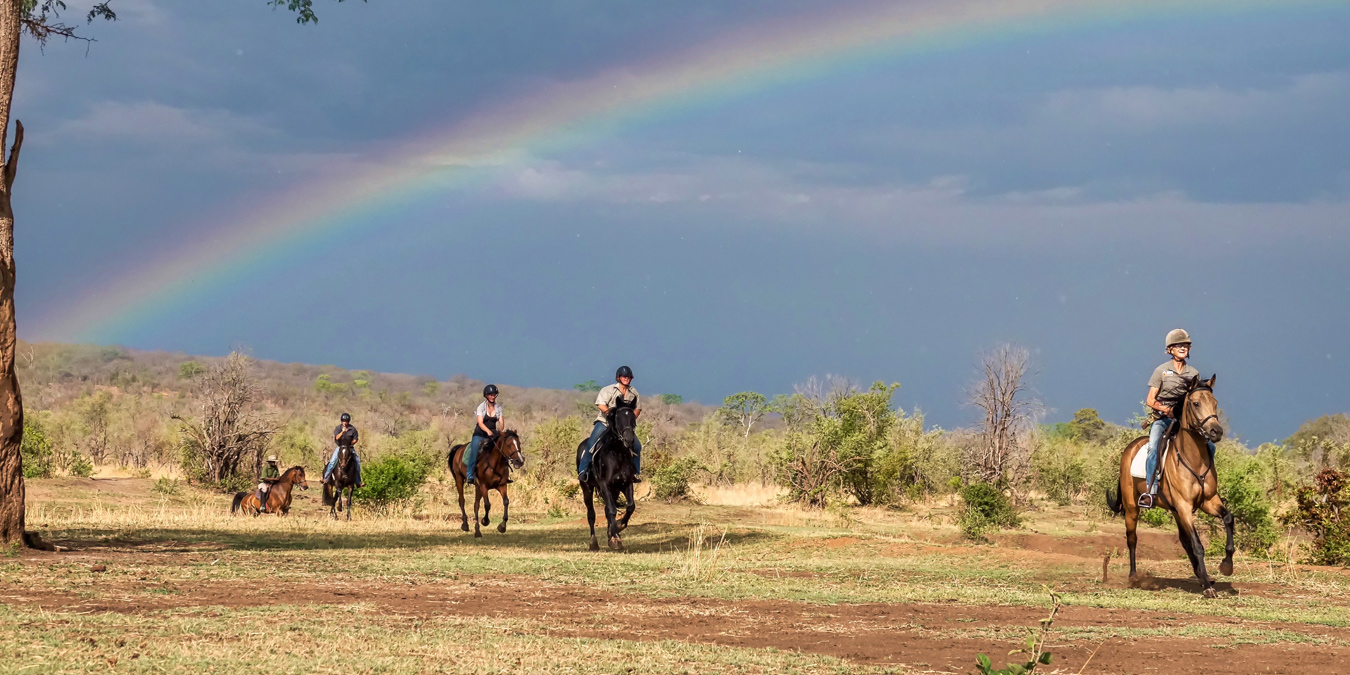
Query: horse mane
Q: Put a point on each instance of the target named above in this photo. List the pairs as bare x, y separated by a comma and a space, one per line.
509, 433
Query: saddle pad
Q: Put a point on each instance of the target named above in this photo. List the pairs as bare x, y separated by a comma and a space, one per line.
1138, 466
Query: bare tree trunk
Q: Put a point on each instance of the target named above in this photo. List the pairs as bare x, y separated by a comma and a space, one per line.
11, 403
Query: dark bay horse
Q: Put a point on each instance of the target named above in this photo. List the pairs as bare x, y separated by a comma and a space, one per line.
1189, 482
278, 498
343, 479
499, 454
611, 474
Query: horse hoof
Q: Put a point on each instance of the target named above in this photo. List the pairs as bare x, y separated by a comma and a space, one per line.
622, 526
501, 528
485, 521
615, 544
1211, 593
594, 546
464, 526
477, 534
1226, 568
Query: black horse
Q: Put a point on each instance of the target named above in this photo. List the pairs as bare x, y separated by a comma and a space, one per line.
342, 479
611, 474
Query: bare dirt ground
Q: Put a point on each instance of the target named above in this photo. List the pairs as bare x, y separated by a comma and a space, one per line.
913, 635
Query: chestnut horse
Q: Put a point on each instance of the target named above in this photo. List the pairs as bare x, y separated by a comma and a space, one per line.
278, 498
498, 455
1188, 482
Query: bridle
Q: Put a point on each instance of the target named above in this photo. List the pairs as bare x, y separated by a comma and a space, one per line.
1198, 427
519, 454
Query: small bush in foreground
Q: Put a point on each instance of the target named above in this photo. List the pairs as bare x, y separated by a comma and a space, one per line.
391, 479
1156, 517
987, 508
1322, 511
671, 482
36, 451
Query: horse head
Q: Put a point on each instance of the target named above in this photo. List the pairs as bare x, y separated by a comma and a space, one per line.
509, 444
297, 477
623, 424
1202, 410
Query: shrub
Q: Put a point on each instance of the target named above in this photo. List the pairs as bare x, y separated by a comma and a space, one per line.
165, 486
391, 479
986, 508
1061, 470
1241, 480
671, 482
1322, 511
36, 450
1155, 517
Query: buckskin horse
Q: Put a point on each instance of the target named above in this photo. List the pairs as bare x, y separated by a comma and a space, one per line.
500, 453
343, 479
278, 498
1189, 482
611, 474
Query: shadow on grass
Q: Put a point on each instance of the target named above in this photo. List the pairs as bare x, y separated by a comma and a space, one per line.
1191, 585
638, 538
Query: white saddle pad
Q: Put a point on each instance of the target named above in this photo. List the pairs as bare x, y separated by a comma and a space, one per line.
1139, 463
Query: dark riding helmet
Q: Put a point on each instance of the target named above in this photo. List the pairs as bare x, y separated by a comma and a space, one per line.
345, 418
489, 390
623, 371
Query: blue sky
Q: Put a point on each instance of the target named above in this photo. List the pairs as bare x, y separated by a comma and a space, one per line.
1078, 193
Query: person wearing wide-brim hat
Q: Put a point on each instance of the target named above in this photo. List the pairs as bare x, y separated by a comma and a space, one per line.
1167, 388
270, 474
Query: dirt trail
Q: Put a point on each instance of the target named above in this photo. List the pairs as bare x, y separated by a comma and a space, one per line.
918, 635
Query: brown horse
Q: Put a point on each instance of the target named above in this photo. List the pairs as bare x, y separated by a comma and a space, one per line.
1188, 482
496, 458
278, 498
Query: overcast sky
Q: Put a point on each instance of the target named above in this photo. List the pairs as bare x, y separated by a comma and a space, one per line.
1077, 192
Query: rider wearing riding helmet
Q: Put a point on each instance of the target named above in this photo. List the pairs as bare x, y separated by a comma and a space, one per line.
344, 435
621, 391
488, 418
1167, 388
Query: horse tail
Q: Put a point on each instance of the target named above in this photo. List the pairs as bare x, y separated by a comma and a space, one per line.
330, 495
1113, 502
238, 499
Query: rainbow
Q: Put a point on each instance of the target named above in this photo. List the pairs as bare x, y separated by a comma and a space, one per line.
793, 49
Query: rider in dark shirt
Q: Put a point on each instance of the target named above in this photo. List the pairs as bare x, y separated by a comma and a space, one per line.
345, 436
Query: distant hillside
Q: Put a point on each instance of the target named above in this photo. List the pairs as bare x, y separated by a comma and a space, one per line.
115, 405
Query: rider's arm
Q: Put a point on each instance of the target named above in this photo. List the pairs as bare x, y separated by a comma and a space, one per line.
604, 409
637, 413
1152, 402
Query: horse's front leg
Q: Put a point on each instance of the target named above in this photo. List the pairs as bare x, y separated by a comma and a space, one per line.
1214, 506
487, 507
350, 490
611, 517
506, 509
629, 506
588, 496
1190, 540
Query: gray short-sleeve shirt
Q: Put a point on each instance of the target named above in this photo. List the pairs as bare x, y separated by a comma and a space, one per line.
609, 396
1172, 386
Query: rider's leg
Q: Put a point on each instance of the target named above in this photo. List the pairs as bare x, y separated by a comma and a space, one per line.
1211, 451
637, 460
332, 464
471, 459
262, 497
1155, 434
596, 432
360, 482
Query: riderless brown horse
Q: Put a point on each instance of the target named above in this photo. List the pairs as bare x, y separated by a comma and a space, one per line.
500, 453
343, 479
278, 498
1188, 483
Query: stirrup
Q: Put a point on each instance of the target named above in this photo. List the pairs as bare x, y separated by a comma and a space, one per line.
637, 479
1146, 500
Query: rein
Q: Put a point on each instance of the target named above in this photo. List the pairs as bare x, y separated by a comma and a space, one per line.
1197, 428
